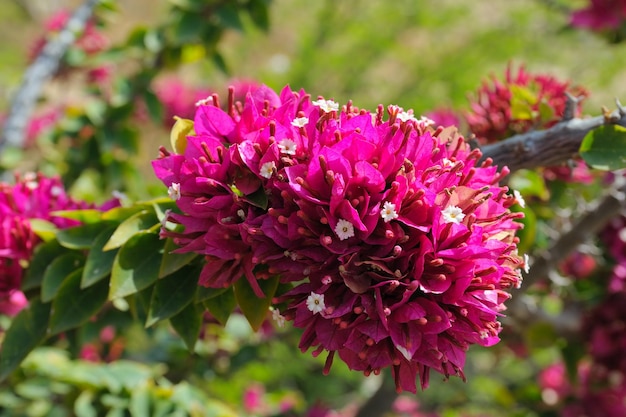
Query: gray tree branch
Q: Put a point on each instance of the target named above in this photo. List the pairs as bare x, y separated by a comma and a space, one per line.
42, 69
550, 147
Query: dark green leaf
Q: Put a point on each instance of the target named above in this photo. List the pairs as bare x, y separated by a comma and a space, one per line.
172, 262
99, 263
81, 237
74, 306
136, 265
154, 105
58, 271
27, 330
258, 10
605, 147
141, 221
206, 293
258, 198
221, 306
228, 14
44, 254
255, 308
219, 62
189, 27
188, 323
171, 294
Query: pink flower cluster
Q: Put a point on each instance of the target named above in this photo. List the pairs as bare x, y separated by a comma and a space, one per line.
398, 243
614, 238
491, 117
32, 196
179, 99
600, 15
594, 393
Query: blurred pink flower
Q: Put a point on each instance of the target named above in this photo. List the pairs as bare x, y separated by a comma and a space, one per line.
33, 196
600, 15
491, 117
401, 246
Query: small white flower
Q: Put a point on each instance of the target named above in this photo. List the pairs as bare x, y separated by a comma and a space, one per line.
287, 147
241, 214
277, 317
326, 105
425, 121
519, 198
344, 229
446, 163
56, 191
174, 191
267, 169
204, 102
405, 116
526, 263
119, 195
166, 216
388, 212
300, 121
452, 214
315, 303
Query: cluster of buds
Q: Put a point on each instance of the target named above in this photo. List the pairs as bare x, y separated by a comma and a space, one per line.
397, 241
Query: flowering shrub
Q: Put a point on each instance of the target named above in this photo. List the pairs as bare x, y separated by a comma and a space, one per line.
398, 243
33, 196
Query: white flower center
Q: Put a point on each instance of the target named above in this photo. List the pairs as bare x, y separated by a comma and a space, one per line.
344, 229
174, 191
388, 212
452, 214
287, 147
326, 105
267, 169
315, 303
300, 121
519, 198
278, 318
204, 102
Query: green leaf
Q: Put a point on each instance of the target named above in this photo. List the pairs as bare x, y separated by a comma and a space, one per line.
44, 254
228, 14
136, 223
522, 102
136, 265
206, 293
74, 306
119, 214
46, 230
221, 306
84, 216
81, 237
154, 105
605, 148
171, 294
58, 271
99, 263
171, 261
258, 10
27, 330
188, 323
255, 308
189, 27
257, 198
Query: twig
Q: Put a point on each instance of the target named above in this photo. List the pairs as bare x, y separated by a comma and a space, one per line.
548, 147
39, 72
